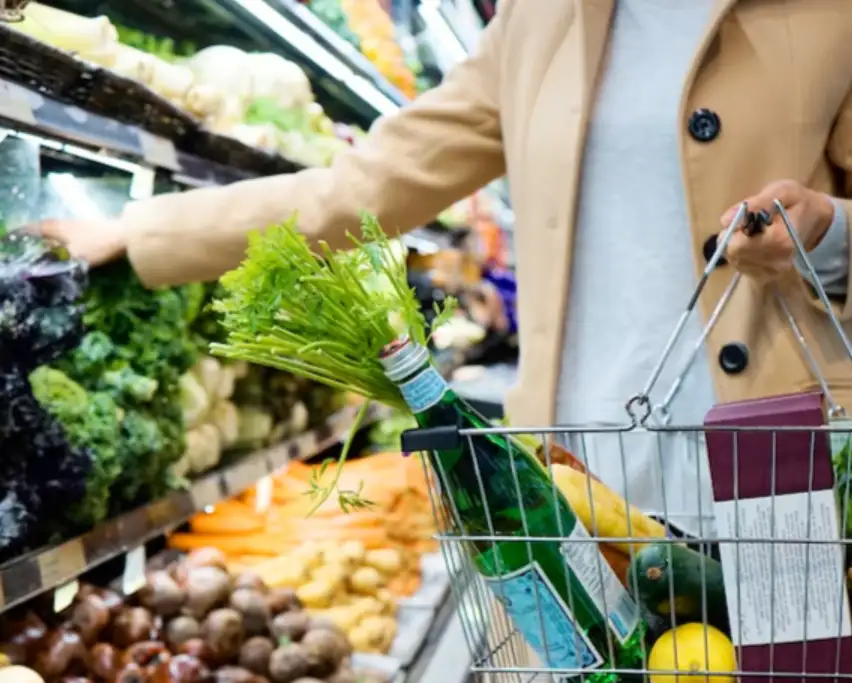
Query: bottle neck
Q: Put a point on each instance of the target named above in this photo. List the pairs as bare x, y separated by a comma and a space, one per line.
409, 366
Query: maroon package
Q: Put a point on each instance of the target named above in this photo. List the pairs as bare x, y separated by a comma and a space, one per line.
799, 586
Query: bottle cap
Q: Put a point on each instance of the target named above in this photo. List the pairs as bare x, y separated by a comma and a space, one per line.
403, 357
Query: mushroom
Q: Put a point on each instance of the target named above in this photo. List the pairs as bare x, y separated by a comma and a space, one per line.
181, 669
106, 662
288, 663
327, 650
290, 625
282, 600
63, 653
206, 589
89, 617
251, 604
255, 654
132, 625
250, 580
223, 632
181, 629
162, 594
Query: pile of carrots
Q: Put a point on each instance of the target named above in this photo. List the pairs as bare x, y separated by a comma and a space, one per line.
258, 526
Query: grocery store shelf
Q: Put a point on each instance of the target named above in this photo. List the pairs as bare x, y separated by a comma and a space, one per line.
25, 577
200, 155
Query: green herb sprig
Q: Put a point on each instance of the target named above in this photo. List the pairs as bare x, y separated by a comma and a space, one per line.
325, 316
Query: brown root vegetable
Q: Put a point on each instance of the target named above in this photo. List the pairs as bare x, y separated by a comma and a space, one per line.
250, 580
25, 637
63, 653
181, 669
282, 600
290, 625
207, 557
144, 653
180, 629
255, 654
251, 604
343, 675
113, 601
89, 617
223, 631
327, 651
288, 663
106, 662
234, 674
75, 679
162, 594
206, 589
132, 673
132, 625
196, 647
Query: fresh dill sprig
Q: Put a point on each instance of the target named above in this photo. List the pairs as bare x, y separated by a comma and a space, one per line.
325, 316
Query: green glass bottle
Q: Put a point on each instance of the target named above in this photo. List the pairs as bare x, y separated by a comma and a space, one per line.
561, 595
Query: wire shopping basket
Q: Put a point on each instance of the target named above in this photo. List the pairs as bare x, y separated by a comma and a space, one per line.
561, 578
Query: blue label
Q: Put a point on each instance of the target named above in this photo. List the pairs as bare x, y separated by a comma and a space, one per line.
545, 621
424, 391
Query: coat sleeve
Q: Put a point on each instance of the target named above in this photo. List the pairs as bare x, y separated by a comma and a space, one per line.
411, 166
840, 154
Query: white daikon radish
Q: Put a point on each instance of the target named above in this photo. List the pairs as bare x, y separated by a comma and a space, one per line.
66, 30
223, 67
279, 79
132, 63
172, 81
204, 101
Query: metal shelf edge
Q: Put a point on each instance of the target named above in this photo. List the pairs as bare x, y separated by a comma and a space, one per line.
45, 569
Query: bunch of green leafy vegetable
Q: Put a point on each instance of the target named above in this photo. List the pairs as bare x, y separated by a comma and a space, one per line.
325, 316
138, 345
164, 48
843, 484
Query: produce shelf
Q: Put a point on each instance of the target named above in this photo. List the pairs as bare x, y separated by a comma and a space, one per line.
42, 570
43, 107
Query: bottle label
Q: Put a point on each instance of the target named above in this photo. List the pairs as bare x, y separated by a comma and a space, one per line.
585, 560
424, 390
544, 620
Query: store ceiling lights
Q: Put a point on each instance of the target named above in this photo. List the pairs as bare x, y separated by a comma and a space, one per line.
319, 55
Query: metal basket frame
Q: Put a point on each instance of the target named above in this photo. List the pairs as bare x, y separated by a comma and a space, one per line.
499, 652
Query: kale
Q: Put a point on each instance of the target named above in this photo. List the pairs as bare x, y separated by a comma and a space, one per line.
42, 474
138, 344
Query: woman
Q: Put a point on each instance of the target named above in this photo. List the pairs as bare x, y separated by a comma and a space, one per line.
627, 130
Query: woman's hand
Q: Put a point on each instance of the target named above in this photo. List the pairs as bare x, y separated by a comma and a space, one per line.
94, 241
770, 254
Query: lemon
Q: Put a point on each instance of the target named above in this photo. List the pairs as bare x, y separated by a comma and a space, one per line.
693, 648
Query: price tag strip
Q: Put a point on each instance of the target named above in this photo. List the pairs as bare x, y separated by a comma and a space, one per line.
246, 474
206, 492
58, 565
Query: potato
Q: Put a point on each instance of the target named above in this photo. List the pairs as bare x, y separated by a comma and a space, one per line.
354, 551
366, 581
316, 594
380, 632
386, 560
388, 601
345, 618
333, 573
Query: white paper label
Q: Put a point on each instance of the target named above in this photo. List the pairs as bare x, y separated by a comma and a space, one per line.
800, 587
64, 595
133, 577
263, 494
158, 151
594, 573
14, 104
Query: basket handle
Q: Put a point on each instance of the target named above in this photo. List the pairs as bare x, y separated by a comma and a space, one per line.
640, 408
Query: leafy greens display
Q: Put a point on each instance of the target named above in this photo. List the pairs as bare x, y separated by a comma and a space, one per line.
325, 316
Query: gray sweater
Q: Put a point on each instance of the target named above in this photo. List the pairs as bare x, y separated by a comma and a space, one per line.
633, 269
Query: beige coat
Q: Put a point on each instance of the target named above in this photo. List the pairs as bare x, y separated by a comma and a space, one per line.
779, 75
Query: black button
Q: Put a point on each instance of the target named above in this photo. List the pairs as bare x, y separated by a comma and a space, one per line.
704, 125
709, 249
733, 358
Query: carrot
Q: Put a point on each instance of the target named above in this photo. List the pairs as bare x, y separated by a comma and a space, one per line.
226, 524
238, 544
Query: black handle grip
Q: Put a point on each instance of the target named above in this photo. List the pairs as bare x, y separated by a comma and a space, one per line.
756, 222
